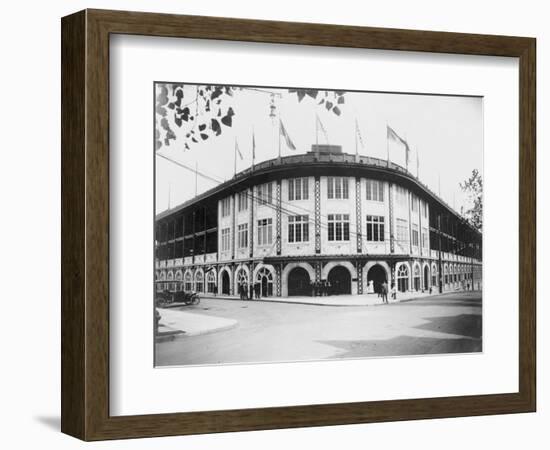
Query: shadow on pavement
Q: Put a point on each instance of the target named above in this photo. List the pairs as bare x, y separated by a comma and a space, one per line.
467, 325
428, 302
403, 346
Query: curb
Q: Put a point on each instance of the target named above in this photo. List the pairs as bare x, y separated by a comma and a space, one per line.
166, 336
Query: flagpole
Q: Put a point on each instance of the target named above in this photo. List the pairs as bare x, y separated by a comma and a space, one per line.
406, 153
317, 131
387, 145
235, 158
196, 177
253, 149
280, 138
356, 148
169, 189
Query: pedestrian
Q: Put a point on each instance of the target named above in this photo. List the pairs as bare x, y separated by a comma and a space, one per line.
393, 292
384, 291
257, 292
251, 292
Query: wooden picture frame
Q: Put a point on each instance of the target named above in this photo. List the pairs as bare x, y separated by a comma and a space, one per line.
85, 224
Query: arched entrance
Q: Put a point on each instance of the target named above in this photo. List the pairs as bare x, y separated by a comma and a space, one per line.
426, 278
265, 278
403, 278
416, 277
376, 274
299, 282
340, 281
225, 283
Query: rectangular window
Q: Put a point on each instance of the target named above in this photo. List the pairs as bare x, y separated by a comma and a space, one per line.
424, 238
425, 209
265, 194
375, 190
338, 227
402, 231
337, 187
226, 243
298, 228
414, 203
243, 201
242, 235
375, 228
298, 189
401, 194
226, 206
265, 232
415, 235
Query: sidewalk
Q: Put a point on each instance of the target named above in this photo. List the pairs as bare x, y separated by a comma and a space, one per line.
340, 300
175, 323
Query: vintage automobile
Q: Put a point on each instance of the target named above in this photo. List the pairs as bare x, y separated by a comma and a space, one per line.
168, 297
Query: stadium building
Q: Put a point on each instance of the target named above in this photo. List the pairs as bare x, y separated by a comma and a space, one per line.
320, 223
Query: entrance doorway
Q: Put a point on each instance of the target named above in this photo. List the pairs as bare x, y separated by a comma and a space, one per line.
340, 281
225, 282
265, 278
377, 275
299, 282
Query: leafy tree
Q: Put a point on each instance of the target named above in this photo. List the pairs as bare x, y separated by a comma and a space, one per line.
210, 110
473, 186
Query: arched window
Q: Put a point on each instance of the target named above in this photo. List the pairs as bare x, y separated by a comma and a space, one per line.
188, 281
242, 278
265, 278
162, 276
403, 278
211, 282
199, 281
170, 276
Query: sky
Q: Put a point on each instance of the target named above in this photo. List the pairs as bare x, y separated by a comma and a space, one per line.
446, 132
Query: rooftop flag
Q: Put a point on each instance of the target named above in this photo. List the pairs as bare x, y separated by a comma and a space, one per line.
358, 136
391, 135
238, 150
284, 134
319, 124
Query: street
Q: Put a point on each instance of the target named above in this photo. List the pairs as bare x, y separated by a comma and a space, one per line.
275, 332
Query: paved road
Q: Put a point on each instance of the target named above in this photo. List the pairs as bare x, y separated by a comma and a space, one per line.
269, 332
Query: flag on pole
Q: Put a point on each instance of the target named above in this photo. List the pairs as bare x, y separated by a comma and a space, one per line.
284, 134
391, 135
322, 127
358, 134
238, 150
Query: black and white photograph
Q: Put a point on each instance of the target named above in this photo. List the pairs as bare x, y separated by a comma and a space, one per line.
305, 224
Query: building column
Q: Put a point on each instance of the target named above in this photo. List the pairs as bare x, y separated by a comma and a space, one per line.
392, 225
233, 221
278, 281
359, 269
317, 214
358, 215
251, 225
278, 234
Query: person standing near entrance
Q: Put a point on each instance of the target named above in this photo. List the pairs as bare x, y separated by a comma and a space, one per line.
384, 292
